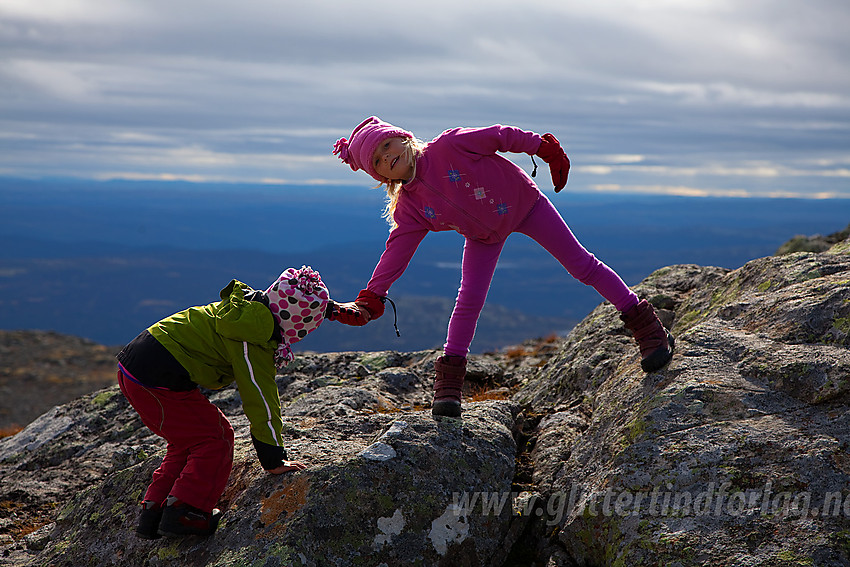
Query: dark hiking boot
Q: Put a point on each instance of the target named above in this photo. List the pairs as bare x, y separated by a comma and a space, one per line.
181, 519
448, 384
654, 341
149, 520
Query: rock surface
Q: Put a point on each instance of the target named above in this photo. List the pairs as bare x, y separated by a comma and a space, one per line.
736, 453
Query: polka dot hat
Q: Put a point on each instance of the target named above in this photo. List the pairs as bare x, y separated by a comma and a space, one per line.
297, 300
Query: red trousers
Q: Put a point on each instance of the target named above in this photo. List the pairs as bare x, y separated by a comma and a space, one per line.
199, 454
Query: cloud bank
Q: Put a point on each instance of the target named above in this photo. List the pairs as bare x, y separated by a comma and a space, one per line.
698, 97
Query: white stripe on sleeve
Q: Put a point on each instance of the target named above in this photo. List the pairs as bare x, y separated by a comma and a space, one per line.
254, 381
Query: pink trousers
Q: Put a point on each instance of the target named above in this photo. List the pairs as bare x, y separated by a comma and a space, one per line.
546, 226
199, 454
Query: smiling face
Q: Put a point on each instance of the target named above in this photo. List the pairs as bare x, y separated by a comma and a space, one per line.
390, 162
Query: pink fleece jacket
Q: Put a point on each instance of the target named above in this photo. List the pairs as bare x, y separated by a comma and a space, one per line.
461, 184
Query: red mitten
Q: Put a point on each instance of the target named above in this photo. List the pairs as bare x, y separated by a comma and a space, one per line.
347, 314
553, 154
372, 302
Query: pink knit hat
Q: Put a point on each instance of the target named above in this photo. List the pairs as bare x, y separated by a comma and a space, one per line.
297, 299
358, 151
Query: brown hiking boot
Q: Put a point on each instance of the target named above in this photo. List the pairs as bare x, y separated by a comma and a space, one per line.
654, 341
448, 384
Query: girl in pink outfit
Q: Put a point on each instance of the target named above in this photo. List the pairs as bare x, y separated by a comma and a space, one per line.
459, 182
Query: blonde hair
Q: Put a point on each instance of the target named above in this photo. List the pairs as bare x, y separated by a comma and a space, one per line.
412, 150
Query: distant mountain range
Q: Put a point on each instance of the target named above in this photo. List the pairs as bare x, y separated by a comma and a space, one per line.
105, 260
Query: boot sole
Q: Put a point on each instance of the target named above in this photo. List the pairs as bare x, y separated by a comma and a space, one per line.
445, 409
187, 532
660, 357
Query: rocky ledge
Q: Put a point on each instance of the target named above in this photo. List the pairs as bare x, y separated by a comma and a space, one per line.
736, 453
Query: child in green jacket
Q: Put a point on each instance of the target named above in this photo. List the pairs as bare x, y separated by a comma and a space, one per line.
245, 338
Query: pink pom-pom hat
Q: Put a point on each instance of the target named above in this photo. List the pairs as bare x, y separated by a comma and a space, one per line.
358, 150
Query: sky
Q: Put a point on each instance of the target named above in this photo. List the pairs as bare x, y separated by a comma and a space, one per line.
684, 97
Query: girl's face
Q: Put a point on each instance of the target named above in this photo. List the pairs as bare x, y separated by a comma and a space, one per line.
389, 161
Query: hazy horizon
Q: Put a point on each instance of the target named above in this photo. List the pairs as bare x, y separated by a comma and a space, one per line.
76, 253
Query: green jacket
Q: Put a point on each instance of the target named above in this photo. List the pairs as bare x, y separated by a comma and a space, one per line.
230, 341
